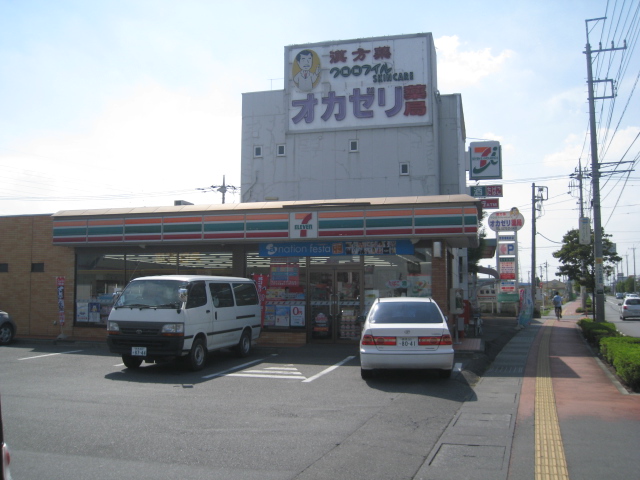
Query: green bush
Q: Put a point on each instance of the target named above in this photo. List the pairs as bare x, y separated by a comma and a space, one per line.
623, 353
595, 331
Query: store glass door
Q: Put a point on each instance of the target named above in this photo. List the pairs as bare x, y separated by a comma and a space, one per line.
334, 304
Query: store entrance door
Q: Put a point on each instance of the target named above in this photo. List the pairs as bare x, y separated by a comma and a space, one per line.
335, 304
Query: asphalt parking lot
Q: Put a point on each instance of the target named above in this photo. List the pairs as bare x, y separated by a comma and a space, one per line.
72, 409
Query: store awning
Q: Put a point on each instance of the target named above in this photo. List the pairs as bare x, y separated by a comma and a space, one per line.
454, 218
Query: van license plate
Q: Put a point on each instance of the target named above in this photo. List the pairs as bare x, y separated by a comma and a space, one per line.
139, 351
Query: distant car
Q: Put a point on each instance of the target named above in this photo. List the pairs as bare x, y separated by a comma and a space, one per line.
631, 295
405, 333
7, 328
630, 308
619, 296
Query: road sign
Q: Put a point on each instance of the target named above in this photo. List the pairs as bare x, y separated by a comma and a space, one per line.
486, 191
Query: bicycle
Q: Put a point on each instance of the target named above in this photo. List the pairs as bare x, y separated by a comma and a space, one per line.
558, 313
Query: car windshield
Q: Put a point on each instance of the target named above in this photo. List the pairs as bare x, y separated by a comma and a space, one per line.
633, 301
406, 312
150, 293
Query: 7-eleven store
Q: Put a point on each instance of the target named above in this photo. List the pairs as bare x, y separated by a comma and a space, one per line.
319, 264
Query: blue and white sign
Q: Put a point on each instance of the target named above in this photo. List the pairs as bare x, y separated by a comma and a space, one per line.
328, 249
507, 249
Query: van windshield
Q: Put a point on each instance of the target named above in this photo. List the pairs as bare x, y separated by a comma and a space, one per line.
151, 293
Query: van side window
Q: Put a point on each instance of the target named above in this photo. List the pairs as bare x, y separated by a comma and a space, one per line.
221, 294
197, 295
245, 294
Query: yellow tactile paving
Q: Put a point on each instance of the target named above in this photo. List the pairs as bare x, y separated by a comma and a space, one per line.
550, 462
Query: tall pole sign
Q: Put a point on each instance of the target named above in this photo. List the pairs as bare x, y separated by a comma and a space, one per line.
507, 252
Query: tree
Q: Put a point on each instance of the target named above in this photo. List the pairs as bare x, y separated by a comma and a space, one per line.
573, 256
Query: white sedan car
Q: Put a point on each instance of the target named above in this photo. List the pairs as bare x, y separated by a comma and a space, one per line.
405, 333
630, 308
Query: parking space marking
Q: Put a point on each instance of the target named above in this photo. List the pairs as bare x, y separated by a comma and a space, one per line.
287, 372
50, 355
328, 370
457, 367
235, 369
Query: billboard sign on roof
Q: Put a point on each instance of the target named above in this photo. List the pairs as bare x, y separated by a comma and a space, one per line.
363, 83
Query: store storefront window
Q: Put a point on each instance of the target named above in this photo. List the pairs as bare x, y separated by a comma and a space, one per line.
98, 279
100, 276
397, 276
281, 283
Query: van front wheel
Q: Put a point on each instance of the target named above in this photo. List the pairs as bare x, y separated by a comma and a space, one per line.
197, 355
131, 361
244, 345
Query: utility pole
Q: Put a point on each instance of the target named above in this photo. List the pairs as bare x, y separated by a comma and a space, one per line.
579, 176
595, 172
634, 269
223, 189
546, 276
542, 194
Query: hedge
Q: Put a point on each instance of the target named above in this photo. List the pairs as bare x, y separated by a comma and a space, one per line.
595, 331
623, 353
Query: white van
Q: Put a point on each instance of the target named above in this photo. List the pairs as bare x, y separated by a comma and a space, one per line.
183, 317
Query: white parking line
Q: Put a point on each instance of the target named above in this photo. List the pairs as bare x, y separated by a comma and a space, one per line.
289, 372
327, 370
239, 367
457, 367
50, 354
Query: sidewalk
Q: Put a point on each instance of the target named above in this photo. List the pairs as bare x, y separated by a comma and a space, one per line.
545, 408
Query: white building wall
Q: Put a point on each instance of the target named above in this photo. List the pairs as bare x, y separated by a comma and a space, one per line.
319, 165
453, 158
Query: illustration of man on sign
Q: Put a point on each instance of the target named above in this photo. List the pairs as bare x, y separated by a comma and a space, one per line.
306, 70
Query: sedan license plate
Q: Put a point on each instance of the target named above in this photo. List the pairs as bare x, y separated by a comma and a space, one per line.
139, 351
407, 342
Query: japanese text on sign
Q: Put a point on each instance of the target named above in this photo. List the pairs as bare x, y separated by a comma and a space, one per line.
360, 83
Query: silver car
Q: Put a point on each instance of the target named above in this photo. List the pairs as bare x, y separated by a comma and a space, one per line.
405, 333
7, 328
630, 308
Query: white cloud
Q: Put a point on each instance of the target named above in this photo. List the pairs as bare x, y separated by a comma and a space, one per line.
458, 69
152, 140
567, 158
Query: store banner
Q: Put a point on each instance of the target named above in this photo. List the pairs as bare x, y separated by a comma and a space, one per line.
328, 249
60, 282
286, 275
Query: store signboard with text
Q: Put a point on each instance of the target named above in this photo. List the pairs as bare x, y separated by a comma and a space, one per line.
361, 83
503, 221
485, 191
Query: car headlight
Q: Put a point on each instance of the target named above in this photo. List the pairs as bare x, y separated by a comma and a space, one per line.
113, 327
173, 329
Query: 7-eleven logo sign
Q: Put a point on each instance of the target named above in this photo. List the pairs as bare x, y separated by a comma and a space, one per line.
303, 225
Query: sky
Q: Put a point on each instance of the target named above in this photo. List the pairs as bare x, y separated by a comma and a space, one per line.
131, 103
